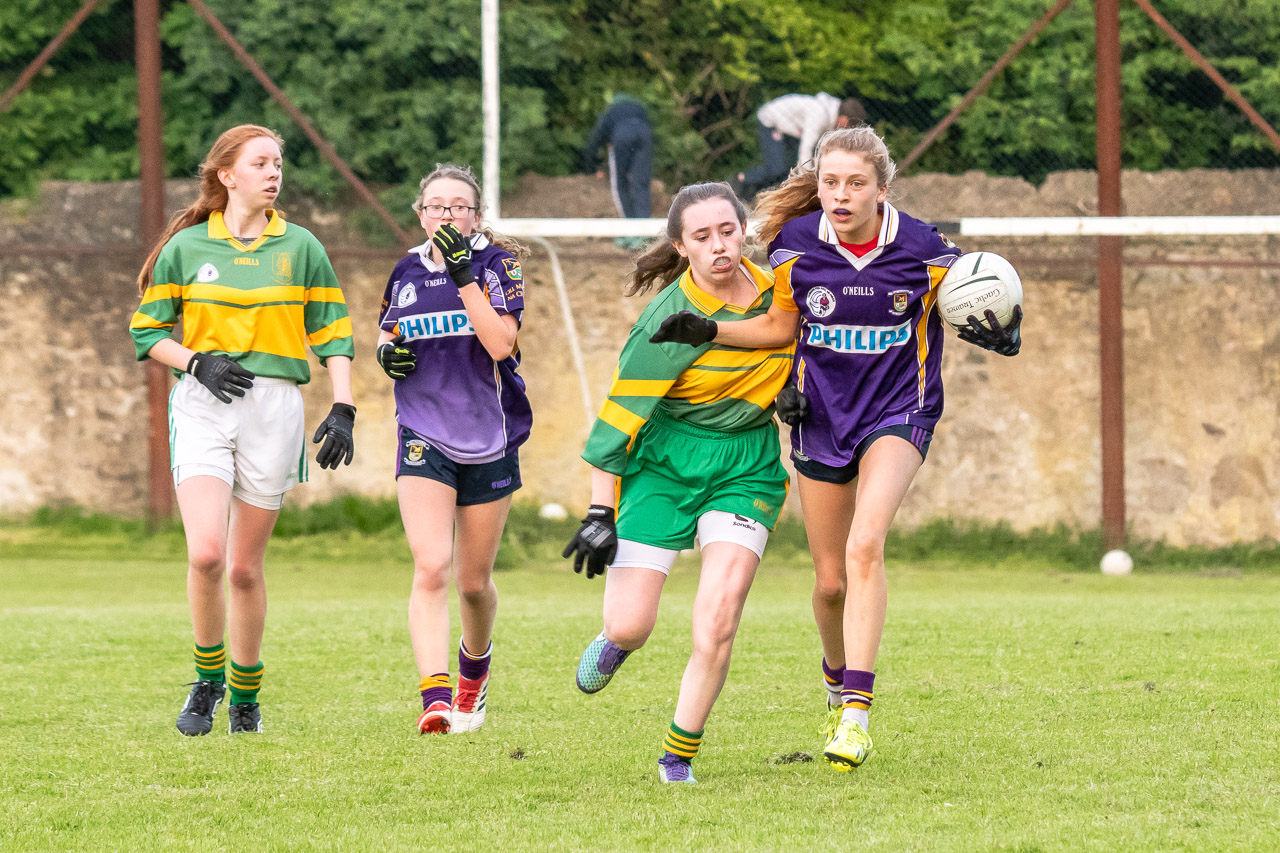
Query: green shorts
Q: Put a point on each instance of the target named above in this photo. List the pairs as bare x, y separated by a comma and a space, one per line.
677, 472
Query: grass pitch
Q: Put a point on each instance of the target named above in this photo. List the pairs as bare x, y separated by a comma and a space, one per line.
1026, 708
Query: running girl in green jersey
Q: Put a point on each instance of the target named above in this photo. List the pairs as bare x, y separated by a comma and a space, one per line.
685, 445
252, 292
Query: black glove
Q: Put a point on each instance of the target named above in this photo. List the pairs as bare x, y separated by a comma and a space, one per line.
792, 405
456, 251
338, 440
220, 375
396, 361
596, 541
685, 328
1006, 340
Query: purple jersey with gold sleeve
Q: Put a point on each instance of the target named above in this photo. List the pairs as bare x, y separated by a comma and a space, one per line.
869, 353
470, 407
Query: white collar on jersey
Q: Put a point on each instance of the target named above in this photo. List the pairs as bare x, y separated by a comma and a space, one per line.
888, 230
423, 251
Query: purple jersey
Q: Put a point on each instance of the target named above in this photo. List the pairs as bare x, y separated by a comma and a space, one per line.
473, 409
870, 349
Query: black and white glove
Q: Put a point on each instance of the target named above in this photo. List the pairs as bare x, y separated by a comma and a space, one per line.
220, 375
685, 328
595, 543
336, 432
792, 405
395, 360
456, 251
1005, 340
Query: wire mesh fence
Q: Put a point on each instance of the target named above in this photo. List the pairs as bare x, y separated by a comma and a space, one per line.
396, 86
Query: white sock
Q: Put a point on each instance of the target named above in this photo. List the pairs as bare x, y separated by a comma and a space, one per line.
857, 715
833, 695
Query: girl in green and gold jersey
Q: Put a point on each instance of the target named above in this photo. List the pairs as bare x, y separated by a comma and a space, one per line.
252, 292
686, 445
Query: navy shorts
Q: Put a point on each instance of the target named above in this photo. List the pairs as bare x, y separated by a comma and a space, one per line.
475, 484
918, 436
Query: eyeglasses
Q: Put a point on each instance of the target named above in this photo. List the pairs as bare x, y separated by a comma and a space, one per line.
454, 210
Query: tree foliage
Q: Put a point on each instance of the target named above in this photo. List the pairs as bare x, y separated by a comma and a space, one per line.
395, 85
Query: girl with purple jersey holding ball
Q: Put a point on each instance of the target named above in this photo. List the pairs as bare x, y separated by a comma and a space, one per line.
857, 279
449, 321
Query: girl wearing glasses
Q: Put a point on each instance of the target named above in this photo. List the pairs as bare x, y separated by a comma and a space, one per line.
449, 320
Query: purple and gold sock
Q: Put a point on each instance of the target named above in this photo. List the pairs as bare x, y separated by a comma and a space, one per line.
857, 694
473, 667
435, 688
833, 677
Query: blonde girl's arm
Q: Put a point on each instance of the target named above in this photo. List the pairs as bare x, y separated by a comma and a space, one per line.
775, 328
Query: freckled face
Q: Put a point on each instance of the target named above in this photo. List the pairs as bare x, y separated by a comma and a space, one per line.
849, 195
255, 177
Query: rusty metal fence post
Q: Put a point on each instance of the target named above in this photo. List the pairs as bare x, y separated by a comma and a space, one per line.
1110, 273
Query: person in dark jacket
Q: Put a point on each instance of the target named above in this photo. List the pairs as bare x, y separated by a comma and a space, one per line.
624, 126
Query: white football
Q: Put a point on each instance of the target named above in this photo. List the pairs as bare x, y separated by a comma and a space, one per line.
553, 512
976, 282
1116, 562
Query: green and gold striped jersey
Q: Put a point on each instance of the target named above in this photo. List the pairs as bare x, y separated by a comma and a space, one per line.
714, 387
260, 304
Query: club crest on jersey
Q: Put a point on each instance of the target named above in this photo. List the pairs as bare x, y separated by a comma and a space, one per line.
821, 302
414, 450
282, 267
207, 273
512, 268
901, 298
408, 295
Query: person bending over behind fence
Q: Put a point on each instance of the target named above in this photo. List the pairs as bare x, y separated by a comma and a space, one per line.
687, 442
788, 128
862, 413
252, 292
449, 320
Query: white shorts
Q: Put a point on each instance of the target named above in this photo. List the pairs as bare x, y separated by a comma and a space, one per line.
253, 444
713, 526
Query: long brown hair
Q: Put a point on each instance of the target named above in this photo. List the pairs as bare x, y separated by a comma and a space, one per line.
213, 195
798, 194
468, 177
661, 263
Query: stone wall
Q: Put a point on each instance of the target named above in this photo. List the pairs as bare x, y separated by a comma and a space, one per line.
1019, 441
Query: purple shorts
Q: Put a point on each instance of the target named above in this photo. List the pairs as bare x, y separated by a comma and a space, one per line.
918, 436
475, 484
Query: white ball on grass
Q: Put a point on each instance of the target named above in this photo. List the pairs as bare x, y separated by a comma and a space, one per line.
1116, 562
553, 512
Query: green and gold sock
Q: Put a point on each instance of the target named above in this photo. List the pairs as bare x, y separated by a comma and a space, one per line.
245, 681
211, 662
683, 745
